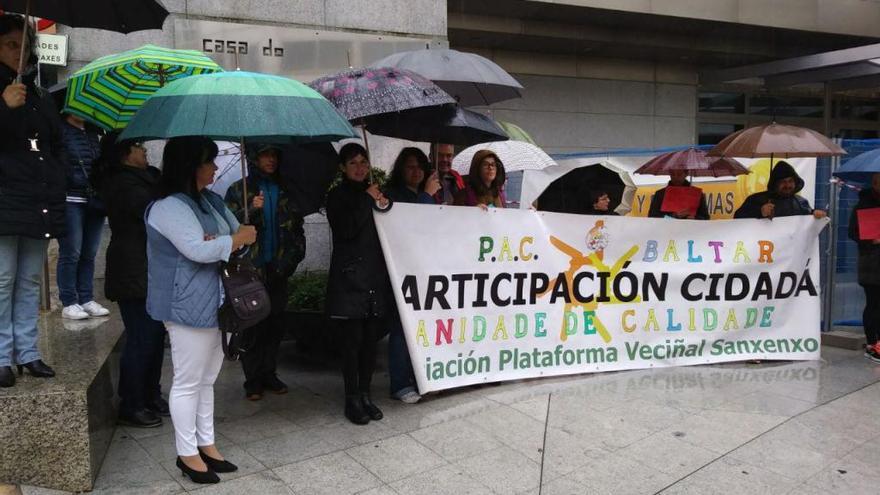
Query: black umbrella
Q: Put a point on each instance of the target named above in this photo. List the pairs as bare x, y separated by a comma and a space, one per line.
123, 16
572, 193
307, 171
439, 124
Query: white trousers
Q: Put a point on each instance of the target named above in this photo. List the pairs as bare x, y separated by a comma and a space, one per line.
197, 356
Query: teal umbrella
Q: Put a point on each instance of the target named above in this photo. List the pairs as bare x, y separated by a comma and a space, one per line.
108, 91
232, 106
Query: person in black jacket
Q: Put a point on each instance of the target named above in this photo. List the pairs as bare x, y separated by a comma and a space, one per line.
677, 178
85, 222
128, 185
358, 289
869, 270
31, 199
600, 203
780, 199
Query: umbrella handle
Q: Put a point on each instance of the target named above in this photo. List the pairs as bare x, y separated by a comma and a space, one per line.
21, 61
244, 194
367, 147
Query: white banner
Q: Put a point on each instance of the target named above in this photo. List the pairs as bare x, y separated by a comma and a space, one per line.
496, 295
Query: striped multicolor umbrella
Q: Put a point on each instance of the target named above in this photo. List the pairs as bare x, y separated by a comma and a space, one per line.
109, 91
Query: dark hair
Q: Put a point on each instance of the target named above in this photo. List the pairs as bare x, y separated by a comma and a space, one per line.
596, 195
474, 180
15, 22
396, 179
350, 151
181, 159
112, 152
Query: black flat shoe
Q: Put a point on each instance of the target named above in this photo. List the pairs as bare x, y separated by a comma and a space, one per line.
140, 419
374, 412
159, 407
274, 385
201, 477
217, 465
354, 410
37, 368
7, 377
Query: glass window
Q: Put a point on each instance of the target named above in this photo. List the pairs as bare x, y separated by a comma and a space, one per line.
722, 102
857, 110
710, 133
787, 106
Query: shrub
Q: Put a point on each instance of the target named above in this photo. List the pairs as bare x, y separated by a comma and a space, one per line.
307, 291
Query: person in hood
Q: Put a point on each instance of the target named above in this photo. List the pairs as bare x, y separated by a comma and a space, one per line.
781, 197
869, 270
677, 178
32, 194
280, 246
485, 182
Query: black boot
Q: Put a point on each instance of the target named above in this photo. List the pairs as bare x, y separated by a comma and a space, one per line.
7, 377
354, 410
371, 409
142, 418
38, 369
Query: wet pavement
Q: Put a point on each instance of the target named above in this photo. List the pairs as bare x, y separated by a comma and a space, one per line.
793, 427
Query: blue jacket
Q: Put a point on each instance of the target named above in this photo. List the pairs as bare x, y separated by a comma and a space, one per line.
184, 247
80, 151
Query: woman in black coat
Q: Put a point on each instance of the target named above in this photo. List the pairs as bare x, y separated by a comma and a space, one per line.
32, 197
358, 287
869, 269
129, 184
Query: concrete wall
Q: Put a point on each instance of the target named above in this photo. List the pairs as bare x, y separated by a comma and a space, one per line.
857, 17
575, 104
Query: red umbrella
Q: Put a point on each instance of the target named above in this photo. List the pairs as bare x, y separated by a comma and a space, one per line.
781, 141
695, 162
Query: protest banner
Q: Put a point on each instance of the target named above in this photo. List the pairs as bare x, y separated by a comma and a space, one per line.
497, 295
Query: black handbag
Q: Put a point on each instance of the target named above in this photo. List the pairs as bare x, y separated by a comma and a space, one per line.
247, 303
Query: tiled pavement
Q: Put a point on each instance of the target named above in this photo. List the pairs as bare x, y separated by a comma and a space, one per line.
804, 427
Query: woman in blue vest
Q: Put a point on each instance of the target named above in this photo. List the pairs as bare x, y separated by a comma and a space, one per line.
189, 232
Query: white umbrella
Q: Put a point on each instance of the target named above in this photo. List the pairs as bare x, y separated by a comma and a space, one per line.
515, 155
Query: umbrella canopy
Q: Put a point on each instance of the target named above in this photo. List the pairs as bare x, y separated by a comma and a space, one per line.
695, 162
573, 192
108, 91
515, 155
458, 126
776, 140
123, 16
470, 79
368, 93
234, 105
860, 168
515, 132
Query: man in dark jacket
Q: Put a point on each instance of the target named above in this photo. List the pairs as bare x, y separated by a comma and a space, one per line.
869, 269
129, 186
31, 199
780, 199
677, 178
280, 246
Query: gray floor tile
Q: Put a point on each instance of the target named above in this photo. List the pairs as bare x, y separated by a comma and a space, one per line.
264, 483
395, 458
346, 434
331, 474
264, 424
456, 439
504, 470
727, 476
288, 448
246, 463
619, 475
382, 490
446, 479
666, 453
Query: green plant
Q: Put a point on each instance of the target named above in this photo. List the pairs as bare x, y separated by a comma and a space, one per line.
307, 291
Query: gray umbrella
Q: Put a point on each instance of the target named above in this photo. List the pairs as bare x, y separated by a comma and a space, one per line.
445, 125
470, 79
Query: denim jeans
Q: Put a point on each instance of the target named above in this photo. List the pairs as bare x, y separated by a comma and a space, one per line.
76, 254
21, 264
400, 368
140, 367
